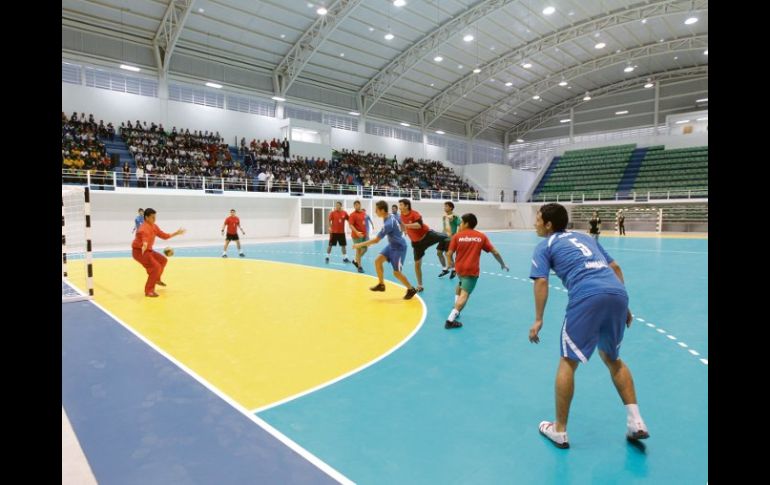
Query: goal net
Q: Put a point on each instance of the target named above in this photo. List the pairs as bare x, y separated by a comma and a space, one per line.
76, 267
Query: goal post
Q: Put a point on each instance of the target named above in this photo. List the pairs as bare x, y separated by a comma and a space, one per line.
76, 250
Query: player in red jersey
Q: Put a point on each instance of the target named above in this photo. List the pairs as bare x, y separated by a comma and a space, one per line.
233, 224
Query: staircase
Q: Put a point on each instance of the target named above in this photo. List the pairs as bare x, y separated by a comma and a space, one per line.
545, 176
632, 170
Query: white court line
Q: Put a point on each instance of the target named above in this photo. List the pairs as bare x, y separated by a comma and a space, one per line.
671, 337
682, 344
639, 319
650, 325
661, 330
705, 361
693, 352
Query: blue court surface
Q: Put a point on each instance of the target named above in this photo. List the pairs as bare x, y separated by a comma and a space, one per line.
459, 406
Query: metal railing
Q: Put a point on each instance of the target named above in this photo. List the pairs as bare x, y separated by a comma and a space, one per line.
606, 196
101, 180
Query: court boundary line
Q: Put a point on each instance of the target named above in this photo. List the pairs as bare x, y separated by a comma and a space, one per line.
291, 444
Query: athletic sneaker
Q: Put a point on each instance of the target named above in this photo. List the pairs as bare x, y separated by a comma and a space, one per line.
444, 272
345, 260
354, 263
153, 294
410, 293
224, 255
548, 430
636, 431
242, 255
378, 287
160, 283
452, 274
360, 269
327, 260
420, 289
455, 324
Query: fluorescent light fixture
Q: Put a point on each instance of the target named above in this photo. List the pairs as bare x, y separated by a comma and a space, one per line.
278, 98
321, 11
548, 10
702, 100
600, 45
389, 36
404, 124
283, 36
342, 54
459, 66
536, 97
468, 37
129, 68
649, 84
681, 122
624, 112
371, 29
519, 140
399, 3
628, 69
200, 10
509, 84
526, 65
354, 113
563, 83
214, 85
476, 71
439, 132
587, 97
701, 119
438, 58
706, 52
691, 20
644, 21
565, 121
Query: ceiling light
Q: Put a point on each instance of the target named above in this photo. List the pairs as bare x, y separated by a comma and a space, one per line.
519, 140
536, 97
432, 84
399, 3
548, 10
468, 38
600, 45
624, 112
565, 121
649, 84
702, 100
681, 122
439, 132
476, 71
342, 54
404, 124
130, 68
438, 58
200, 10
691, 20
509, 83
283, 36
706, 52
389, 36
354, 113
492, 48
587, 97
492, 80
214, 85
278, 98
628, 69
526, 65
701, 119
644, 21
371, 29
676, 57
309, 5
321, 11
459, 66
563, 83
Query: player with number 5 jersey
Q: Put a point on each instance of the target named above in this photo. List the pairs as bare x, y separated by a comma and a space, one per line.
597, 315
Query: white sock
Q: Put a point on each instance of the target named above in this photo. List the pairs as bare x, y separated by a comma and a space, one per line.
632, 413
456, 297
446, 268
452, 315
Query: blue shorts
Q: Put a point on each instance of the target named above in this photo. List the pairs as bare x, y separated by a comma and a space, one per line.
395, 256
596, 319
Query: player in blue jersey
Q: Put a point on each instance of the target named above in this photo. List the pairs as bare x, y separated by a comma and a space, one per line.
597, 314
394, 252
138, 220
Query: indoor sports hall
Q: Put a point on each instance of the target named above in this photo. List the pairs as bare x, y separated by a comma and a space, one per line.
211, 332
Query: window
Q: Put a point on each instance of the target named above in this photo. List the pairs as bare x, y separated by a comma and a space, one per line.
187, 94
70, 73
302, 113
114, 81
254, 106
341, 122
405, 134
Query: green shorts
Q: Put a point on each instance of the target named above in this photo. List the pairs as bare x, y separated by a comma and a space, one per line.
357, 240
467, 283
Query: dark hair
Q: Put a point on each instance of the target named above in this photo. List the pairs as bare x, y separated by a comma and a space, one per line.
148, 212
556, 214
381, 205
140, 209
470, 220
450, 204
394, 206
406, 203
232, 210
359, 202
338, 202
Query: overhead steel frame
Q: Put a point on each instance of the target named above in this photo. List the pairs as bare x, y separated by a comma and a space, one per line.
298, 56
443, 101
168, 33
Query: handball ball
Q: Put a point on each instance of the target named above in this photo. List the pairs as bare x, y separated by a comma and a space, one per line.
168, 252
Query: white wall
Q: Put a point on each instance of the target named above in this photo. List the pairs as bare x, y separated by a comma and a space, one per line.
492, 178
352, 140
112, 215
522, 182
670, 141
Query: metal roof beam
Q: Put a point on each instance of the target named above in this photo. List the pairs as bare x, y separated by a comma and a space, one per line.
168, 32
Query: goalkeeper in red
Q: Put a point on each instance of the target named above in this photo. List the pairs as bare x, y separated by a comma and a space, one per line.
141, 251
